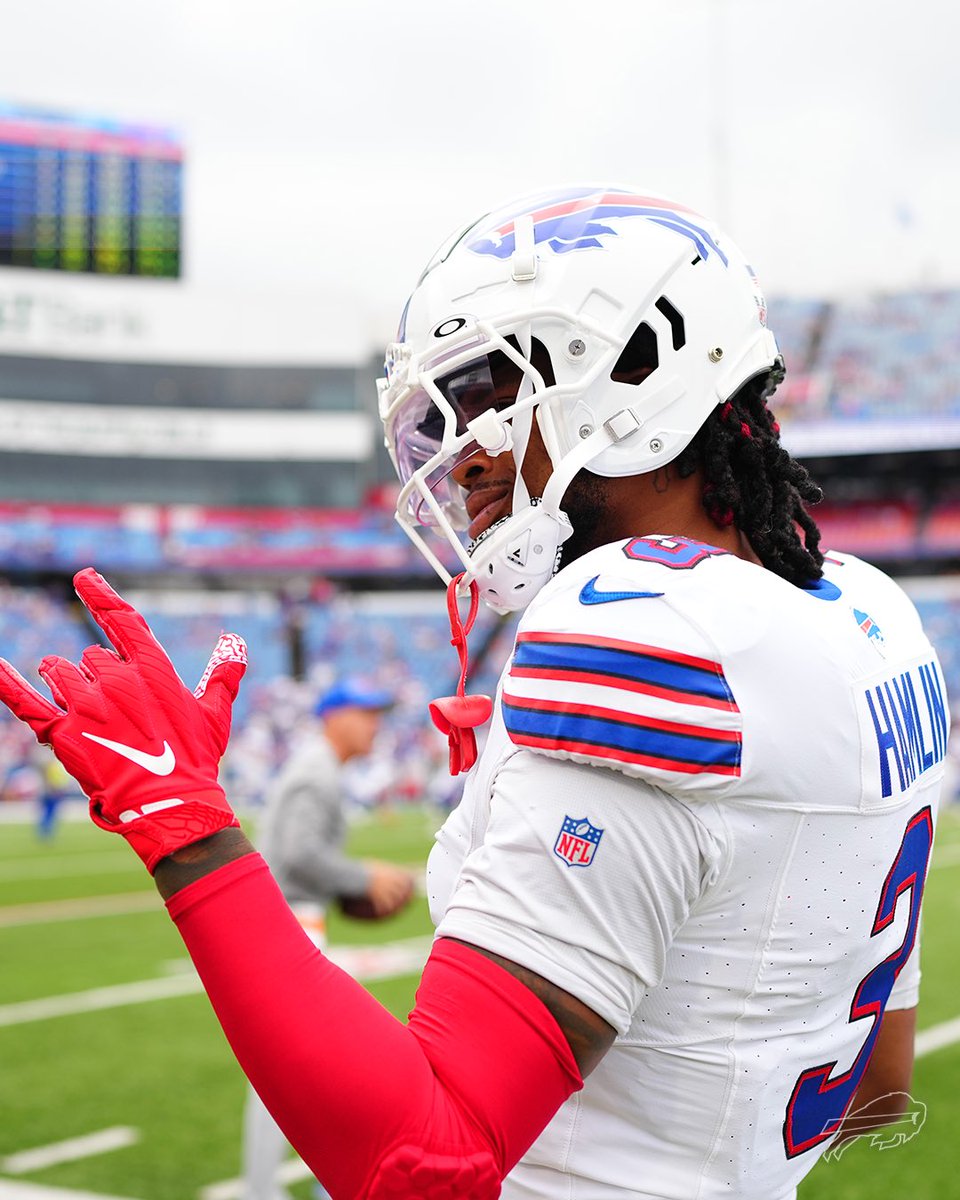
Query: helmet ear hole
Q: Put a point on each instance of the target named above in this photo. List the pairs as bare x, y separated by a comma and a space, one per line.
677, 328
639, 357
539, 358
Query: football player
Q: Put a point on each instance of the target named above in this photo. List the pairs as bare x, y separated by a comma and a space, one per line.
678, 905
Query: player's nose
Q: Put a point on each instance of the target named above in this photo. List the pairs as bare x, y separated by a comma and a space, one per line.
475, 464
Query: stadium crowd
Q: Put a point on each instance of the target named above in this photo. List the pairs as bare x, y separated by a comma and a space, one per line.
397, 642
880, 358
877, 357
894, 357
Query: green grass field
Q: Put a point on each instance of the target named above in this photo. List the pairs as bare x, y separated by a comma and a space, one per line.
79, 914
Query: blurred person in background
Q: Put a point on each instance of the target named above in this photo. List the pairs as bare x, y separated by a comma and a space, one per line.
302, 836
58, 786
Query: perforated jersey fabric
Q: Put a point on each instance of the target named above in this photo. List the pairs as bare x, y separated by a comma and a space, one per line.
705, 808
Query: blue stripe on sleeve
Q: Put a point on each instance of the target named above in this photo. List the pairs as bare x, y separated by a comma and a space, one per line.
628, 736
623, 664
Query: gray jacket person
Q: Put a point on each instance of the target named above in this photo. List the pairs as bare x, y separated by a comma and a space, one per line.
302, 835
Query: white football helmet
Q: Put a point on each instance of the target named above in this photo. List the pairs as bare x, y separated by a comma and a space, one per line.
640, 315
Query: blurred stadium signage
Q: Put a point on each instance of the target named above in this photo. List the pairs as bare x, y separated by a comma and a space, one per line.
92, 429
875, 436
87, 194
39, 317
132, 320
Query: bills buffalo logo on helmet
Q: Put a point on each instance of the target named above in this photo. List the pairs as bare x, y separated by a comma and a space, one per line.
578, 220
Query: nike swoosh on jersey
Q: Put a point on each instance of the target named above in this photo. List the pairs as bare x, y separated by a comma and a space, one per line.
156, 764
590, 595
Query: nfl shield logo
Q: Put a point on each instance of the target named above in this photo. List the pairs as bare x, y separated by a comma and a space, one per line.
577, 842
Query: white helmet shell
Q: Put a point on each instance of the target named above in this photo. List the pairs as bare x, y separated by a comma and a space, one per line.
649, 315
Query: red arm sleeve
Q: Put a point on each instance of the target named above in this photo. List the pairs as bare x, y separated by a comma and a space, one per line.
441, 1107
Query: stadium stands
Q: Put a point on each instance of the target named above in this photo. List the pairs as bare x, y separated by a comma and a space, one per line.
798, 324
885, 369
878, 531
894, 356
33, 622
941, 532
156, 538
399, 641
152, 540
891, 360
854, 366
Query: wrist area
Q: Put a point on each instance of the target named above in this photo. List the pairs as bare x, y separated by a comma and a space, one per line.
158, 828
199, 860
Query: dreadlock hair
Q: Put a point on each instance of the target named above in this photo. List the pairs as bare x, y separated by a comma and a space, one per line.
751, 481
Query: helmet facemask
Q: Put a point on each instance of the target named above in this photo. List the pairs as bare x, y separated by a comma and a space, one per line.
479, 395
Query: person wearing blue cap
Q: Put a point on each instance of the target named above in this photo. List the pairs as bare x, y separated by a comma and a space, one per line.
302, 837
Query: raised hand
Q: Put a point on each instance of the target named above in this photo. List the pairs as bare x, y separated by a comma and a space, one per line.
143, 747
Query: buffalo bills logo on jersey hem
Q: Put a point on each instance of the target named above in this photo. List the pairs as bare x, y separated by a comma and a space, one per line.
590, 595
577, 220
621, 737
631, 666
577, 841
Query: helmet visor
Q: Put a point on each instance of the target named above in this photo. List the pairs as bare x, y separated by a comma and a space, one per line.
435, 418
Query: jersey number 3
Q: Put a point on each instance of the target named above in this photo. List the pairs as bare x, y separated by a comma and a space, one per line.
819, 1103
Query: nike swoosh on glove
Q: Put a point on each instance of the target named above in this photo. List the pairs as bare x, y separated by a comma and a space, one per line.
143, 747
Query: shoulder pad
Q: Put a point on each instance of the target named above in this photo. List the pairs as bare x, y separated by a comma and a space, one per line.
608, 672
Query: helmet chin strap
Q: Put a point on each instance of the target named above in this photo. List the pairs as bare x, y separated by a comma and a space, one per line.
521, 427
459, 715
579, 457
515, 558
522, 423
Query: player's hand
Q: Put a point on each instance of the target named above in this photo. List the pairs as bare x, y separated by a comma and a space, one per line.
389, 889
144, 749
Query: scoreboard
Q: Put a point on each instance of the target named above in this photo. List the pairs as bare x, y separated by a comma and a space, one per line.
83, 194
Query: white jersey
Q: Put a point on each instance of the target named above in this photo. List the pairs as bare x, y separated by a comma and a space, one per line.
705, 808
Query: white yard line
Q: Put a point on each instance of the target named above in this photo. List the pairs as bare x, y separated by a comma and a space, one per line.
292, 1171
61, 866
365, 963
370, 963
42, 912
937, 1037
49, 911
70, 1150
11, 1189
98, 999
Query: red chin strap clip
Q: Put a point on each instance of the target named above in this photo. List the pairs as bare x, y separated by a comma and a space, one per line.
457, 716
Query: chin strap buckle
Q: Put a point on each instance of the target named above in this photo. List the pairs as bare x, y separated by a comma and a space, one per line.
622, 424
458, 716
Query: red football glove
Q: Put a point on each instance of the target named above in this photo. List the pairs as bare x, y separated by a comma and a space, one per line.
143, 748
